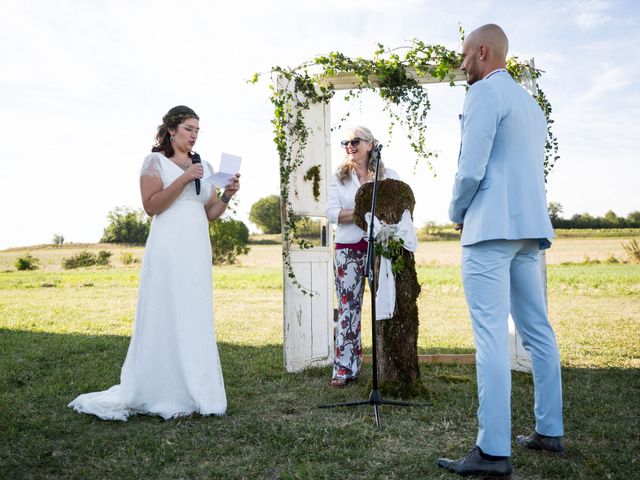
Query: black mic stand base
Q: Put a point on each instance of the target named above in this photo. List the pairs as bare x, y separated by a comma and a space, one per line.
375, 399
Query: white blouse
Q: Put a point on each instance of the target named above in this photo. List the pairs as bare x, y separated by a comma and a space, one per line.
343, 196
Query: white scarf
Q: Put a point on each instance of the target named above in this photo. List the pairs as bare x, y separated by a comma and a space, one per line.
386, 294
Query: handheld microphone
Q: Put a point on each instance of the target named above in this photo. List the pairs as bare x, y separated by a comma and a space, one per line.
195, 158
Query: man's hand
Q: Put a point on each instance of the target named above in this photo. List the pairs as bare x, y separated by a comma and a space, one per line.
458, 227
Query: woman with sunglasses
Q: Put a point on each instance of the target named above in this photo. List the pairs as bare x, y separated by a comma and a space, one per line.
172, 368
351, 248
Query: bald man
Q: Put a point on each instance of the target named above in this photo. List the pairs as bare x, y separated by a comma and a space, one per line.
499, 204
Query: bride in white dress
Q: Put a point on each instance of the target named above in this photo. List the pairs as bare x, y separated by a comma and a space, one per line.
172, 366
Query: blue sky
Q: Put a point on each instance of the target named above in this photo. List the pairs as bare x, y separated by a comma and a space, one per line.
85, 83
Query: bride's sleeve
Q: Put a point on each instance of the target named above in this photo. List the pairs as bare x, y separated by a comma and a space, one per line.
151, 166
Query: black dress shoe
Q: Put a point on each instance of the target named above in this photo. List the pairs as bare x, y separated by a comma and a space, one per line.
474, 464
535, 441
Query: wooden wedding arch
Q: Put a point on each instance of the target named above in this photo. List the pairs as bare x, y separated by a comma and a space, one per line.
303, 134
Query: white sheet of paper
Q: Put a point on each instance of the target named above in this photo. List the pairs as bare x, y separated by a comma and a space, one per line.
229, 166
219, 179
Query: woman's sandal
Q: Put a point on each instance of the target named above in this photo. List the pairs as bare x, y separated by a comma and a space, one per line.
340, 382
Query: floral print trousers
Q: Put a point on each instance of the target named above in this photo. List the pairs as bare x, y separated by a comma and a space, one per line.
349, 272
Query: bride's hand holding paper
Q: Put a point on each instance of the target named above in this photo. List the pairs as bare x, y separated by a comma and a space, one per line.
227, 175
233, 186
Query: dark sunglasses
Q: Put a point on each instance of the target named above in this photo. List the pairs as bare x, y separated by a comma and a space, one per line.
353, 142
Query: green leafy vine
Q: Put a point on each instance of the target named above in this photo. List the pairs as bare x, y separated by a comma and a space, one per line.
521, 72
394, 75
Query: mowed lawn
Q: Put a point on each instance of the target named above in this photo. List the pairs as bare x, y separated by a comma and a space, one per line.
66, 332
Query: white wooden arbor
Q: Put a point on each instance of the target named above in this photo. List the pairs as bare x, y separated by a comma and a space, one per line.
308, 320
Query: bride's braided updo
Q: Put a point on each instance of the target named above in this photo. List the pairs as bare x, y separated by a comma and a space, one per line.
171, 119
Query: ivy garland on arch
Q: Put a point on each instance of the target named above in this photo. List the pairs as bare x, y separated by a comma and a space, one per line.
405, 101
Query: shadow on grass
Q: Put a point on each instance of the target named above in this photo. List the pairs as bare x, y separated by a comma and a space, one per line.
273, 428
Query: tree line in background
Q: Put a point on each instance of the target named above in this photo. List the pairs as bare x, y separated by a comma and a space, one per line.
229, 237
265, 213
584, 220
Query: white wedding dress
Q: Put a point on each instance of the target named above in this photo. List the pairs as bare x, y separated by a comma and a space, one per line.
172, 366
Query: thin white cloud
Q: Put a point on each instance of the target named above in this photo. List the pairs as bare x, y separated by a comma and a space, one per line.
596, 14
591, 19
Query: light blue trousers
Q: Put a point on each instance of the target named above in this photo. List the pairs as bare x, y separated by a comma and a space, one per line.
502, 276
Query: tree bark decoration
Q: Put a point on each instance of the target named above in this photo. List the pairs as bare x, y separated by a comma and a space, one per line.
397, 337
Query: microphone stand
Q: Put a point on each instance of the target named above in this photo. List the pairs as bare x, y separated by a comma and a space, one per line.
375, 397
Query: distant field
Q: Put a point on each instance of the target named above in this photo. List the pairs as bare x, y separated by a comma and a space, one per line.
597, 232
112, 290
565, 249
51, 256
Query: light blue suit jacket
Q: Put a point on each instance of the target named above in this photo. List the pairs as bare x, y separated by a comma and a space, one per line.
499, 190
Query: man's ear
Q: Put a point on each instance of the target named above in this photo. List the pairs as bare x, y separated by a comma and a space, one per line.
483, 51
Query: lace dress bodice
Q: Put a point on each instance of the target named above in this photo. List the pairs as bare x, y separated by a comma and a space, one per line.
157, 165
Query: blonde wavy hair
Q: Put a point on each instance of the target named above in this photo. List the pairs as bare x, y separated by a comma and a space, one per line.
347, 167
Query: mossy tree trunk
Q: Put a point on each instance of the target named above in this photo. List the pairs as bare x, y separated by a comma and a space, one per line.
397, 337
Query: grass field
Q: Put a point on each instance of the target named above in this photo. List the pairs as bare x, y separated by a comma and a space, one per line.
66, 332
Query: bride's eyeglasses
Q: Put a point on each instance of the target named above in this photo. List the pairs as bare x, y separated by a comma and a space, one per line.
190, 129
354, 142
